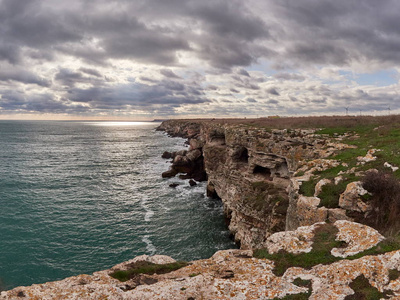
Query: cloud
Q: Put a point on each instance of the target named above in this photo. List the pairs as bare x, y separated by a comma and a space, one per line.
89, 71
289, 76
243, 72
273, 91
188, 56
137, 95
169, 74
19, 101
23, 76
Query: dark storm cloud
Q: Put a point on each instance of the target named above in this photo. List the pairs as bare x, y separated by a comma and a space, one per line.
69, 77
137, 95
273, 91
169, 74
28, 23
212, 87
144, 78
339, 32
9, 53
243, 72
245, 82
229, 33
22, 76
92, 72
272, 101
11, 100
230, 18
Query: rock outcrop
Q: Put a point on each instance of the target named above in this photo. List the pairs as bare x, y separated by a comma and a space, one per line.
236, 274
251, 168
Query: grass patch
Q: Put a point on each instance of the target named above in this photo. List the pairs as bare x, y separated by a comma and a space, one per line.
394, 274
384, 138
333, 131
144, 267
302, 296
324, 241
364, 290
307, 188
330, 193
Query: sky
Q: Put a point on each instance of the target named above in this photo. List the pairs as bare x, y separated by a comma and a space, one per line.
146, 59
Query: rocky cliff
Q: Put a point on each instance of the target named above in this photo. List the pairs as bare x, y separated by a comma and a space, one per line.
252, 170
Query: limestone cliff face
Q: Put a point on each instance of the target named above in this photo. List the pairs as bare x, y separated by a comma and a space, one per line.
250, 169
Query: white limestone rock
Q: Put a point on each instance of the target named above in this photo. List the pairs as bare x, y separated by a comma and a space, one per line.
357, 236
319, 185
387, 165
350, 198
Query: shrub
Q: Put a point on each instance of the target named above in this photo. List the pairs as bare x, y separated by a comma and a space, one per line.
385, 200
144, 267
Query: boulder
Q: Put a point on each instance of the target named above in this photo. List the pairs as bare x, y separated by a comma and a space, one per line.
193, 154
350, 199
166, 155
192, 182
170, 173
335, 214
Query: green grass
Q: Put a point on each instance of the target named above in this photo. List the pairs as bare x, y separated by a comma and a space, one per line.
333, 131
302, 296
330, 193
385, 138
144, 267
324, 241
394, 274
307, 188
364, 290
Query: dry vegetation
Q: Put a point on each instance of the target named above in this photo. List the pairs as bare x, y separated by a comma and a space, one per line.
346, 122
385, 200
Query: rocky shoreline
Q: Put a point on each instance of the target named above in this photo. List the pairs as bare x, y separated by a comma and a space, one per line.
294, 244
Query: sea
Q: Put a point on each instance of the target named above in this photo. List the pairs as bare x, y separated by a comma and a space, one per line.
79, 197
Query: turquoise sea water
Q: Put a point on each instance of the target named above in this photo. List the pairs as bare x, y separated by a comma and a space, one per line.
79, 197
